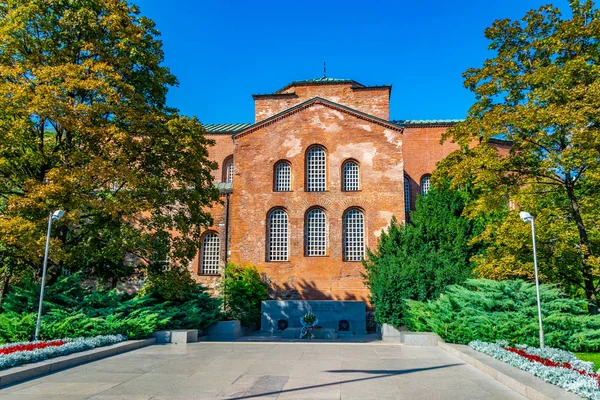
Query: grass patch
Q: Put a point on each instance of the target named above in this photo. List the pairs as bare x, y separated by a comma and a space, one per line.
593, 357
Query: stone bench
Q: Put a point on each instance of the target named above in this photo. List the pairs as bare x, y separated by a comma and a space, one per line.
177, 336
225, 331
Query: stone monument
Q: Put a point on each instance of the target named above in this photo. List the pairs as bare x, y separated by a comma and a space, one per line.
336, 317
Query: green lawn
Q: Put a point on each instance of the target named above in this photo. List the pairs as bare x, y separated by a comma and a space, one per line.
594, 357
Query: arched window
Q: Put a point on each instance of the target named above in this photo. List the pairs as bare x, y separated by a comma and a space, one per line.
283, 177
316, 170
315, 233
228, 169
406, 194
354, 235
211, 250
350, 176
277, 236
425, 185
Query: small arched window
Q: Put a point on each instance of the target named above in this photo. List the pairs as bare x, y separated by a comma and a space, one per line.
211, 250
425, 185
228, 169
406, 194
277, 236
283, 177
354, 235
316, 169
315, 233
350, 176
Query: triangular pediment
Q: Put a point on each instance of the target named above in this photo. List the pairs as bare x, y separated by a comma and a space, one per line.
311, 103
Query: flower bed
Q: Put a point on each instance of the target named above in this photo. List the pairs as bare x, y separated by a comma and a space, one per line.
29, 346
16, 354
559, 367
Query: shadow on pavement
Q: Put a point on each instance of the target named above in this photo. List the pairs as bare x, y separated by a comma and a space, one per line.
380, 374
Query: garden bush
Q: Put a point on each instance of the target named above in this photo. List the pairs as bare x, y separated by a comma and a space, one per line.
243, 292
489, 311
420, 259
72, 309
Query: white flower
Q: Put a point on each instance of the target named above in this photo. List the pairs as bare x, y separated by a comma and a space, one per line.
568, 379
72, 346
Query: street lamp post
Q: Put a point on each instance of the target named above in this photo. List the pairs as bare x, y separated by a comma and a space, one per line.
55, 216
526, 217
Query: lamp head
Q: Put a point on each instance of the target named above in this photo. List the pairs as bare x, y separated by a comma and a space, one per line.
525, 216
56, 215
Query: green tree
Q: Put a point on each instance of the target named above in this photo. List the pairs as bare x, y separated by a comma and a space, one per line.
540, 90
84, 127
420, 259
243, 292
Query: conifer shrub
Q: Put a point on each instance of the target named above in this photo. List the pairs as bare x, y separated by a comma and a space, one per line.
72, 309
243, 291
487, 310
419, 260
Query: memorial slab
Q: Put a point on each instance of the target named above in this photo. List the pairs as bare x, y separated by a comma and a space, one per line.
347, 316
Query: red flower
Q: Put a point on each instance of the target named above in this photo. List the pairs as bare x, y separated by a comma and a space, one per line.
549, 363
31, 346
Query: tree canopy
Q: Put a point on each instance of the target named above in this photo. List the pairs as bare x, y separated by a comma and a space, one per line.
540, 91
84, 127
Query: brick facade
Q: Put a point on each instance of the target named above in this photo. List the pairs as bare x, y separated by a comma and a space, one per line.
350, 122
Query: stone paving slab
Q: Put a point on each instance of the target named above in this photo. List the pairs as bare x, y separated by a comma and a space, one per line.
249, 370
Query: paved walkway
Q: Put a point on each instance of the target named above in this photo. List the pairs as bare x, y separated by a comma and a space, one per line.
267, 371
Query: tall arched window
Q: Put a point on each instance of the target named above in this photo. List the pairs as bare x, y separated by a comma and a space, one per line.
211, 250
316, 170
354, 235
406, 194
425, 185
228, 169
315, 233
277, 236
283, 177
350, 176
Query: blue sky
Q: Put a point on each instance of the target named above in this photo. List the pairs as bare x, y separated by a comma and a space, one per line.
224, 51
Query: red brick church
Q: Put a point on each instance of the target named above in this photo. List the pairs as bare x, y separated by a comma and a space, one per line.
311, 184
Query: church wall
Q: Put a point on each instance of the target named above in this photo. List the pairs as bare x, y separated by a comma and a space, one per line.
385, 154
378, 151
422, 151
222, 148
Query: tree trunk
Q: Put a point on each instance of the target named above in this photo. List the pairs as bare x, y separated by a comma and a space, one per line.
588, 276
4, 284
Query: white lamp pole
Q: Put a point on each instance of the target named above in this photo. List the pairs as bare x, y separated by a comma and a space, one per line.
526, 217
55, 216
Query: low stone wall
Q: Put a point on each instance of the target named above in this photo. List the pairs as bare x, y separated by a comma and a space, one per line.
391, 334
